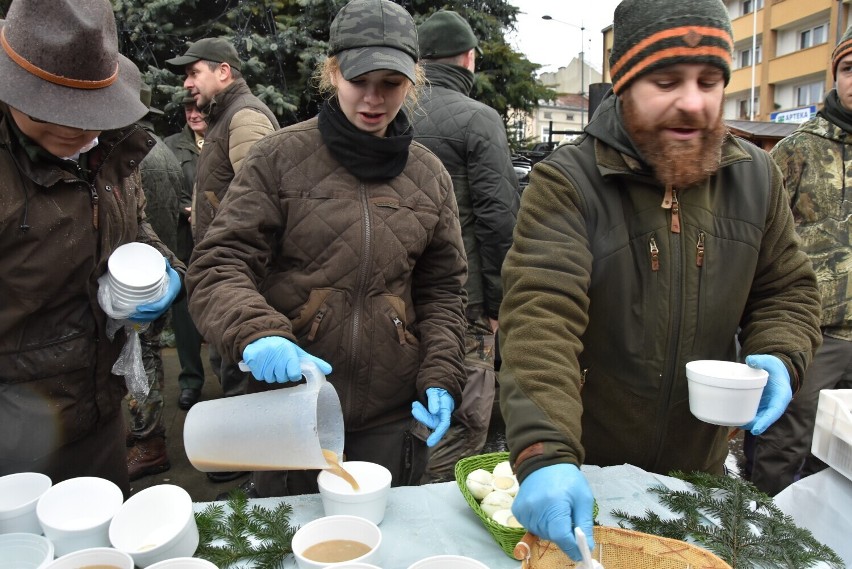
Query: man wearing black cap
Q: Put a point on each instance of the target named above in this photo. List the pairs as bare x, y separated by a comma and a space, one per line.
236, 119
470, 139
70, 194
654, 239
162, 181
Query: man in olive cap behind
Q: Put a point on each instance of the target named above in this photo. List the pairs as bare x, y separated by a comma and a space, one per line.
654, 239
70, 194
470, 139
236, 119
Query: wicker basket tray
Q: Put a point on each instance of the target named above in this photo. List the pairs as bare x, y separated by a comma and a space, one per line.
505, 537
618, 548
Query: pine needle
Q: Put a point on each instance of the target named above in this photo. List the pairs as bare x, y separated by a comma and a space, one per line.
748, 530
256, 535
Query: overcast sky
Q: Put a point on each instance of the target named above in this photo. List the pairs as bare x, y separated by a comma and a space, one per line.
553, 44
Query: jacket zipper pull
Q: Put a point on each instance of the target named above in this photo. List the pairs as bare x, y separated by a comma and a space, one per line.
399, 331
93, 192
675, 213
699, 250
655, 255
316, 324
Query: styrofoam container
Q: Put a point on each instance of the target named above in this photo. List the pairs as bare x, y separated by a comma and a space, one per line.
832, 442
448, 562
369, 501
25, 551
183, 563
724, 393
75, 513
136, 265
92, 558
19, 494
351, 565
352, 528
155, 524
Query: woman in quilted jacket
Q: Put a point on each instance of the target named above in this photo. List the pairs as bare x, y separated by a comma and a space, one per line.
339, 241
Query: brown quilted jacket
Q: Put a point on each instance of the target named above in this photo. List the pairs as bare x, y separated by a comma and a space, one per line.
367, 276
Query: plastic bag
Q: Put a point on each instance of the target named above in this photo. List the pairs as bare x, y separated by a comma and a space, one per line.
129, 363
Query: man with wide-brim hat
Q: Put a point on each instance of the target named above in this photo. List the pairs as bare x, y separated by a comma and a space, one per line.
70, 194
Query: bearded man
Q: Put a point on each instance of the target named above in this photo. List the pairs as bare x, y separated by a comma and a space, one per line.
654, 239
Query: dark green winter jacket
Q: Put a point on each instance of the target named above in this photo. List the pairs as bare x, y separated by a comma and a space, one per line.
605, 303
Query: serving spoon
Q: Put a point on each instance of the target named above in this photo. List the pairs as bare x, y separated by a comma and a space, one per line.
588, 562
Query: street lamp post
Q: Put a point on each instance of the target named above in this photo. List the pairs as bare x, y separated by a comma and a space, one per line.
582, 29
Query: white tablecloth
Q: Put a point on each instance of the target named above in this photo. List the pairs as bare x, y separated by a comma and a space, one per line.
435, 519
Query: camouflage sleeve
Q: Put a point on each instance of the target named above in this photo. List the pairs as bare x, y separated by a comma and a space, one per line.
790, 162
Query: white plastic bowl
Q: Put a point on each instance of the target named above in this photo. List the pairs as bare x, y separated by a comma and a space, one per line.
156, 524
369, 501
136, 265
75, 513
183, 563
19, 494
329, 528
92, 558
25, 551
448, 562
724, 393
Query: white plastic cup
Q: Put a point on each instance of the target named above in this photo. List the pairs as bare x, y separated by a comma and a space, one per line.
136, 266
282, 429
93, 557
183, 563
724, 393
75, 513
19, 495
156, 524
448, 562
352, 528
25, 551
369, 501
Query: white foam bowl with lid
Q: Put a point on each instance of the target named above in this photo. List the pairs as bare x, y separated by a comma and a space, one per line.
155, 524
328, 528
368, 501
724, 393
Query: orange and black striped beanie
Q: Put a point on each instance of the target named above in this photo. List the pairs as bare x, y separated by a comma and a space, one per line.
844, 48
650, 34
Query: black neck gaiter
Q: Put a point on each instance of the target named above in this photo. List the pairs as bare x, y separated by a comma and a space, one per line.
836, 113
364, 155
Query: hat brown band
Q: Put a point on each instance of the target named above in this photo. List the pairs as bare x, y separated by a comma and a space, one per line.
50, 77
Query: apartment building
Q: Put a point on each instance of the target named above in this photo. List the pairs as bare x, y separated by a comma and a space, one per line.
782, 57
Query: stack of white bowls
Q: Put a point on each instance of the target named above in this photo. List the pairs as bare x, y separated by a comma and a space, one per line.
136, 275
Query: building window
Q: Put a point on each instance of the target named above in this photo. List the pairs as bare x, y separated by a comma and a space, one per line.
744, 111
809, 94
548, 115
745, 57
813, 36
569, 117
751, 5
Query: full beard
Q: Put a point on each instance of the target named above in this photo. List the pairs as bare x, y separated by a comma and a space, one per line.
677, 163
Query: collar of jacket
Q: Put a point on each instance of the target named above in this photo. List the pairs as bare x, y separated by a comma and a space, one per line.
449, 76
223, 99
616, 154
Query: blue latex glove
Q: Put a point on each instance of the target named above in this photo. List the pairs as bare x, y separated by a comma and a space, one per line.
552, 501
152, 311
776, 395
437, 417
276, 360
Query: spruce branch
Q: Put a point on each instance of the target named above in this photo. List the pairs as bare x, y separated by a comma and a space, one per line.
746, 528
256, 535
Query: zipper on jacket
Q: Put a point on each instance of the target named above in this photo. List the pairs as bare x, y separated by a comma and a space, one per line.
655, 255
699, 250
358, 299
670, 202
316, 324
93, 192
400, 332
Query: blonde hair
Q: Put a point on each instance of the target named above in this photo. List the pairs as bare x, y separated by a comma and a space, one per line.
323, 80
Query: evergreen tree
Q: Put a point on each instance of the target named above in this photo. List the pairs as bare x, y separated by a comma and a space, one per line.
282, 41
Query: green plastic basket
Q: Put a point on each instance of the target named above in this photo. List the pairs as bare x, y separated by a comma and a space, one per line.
505, 537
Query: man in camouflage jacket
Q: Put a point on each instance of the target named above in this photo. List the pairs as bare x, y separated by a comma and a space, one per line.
816, 162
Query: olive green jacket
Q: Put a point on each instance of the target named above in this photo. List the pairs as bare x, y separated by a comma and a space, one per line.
816, 162
608, 294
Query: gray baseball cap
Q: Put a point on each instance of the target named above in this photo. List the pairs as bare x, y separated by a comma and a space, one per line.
367, 35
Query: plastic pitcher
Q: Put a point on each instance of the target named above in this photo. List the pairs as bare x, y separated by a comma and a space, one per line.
283, 429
